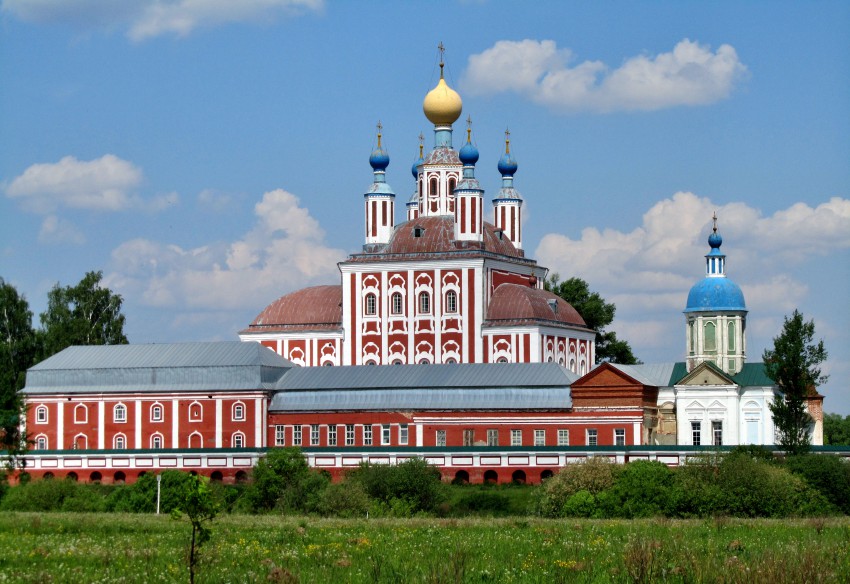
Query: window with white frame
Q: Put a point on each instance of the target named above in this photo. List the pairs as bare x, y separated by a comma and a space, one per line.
424, 303
332, 435
592, 437
402, 434
717, 432
492, 437
385, 434
41, 415
397, 303
516, 437
41, 442
156, 441
696, 433
280, 435
81, 414
238, 440
563, 437
349, 434
468, 437
441, 438
367, 435
119, 413
619, 436
196, 412
540, 437
296, 435
119, 442
451, 301
314, 434
238, 412
156, 413
371, 305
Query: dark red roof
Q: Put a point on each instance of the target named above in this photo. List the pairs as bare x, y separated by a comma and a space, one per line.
517, 304
437, 238
318, 307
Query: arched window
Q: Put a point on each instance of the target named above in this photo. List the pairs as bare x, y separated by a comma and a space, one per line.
156, 441
710, 340
196, 412
731, 334
119, 442
238, 412
81, 442
451, 301
450, 360
81, 414
119, 413
238, 440
397, 303
41, 442
156, 413
691, 340
371, 305
41, 415
424, 303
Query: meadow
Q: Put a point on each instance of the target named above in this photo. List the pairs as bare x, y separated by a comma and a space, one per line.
115, 547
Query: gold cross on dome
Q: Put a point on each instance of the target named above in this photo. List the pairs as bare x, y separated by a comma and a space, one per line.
380, 127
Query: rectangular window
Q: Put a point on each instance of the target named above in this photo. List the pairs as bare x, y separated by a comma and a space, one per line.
332, 435
540, 437
280, 435
592, 437
563, 437
516, 437
349, 434
156, 413
314, 435
619, 436
120, 413
717, 432
402, 433
367, 435
296, 436
492, 437
385, 434
468, 437
441, 437
397, 303
41, 416
424, 303
696, 434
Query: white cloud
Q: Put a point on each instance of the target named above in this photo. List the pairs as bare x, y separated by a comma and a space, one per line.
283, 251
144, 19
691, 74
59, 231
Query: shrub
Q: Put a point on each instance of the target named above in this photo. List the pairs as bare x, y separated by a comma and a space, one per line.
695, 491
345, 500
593, 475
484, 502
414, 482
55, 495
827, 473
277, 480
581, 504
642, 489
140, 497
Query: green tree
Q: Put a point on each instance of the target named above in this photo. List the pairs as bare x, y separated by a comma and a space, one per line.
836, 429
198, 504
85, 314
18, 346
794, 364
597, 314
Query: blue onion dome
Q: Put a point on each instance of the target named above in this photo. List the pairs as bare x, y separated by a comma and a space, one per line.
379, 159
507, 163
469, 153
715, 294
714, 240
415, 168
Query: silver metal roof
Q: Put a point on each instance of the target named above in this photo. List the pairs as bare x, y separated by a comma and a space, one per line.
427, 399
158, 367
451, 376
656, 374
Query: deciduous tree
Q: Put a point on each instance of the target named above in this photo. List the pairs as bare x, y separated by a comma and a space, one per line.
597, 314
794, 364
85, 314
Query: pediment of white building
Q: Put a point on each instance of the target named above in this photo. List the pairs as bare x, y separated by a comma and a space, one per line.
705, 374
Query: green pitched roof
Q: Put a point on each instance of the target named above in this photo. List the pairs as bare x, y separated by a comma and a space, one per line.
753, 374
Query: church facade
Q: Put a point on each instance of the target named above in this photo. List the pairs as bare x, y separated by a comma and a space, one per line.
439, 341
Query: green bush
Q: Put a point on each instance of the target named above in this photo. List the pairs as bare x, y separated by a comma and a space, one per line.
641, 489
695, 491
140, 497
277, 481
827, 473
56, 495
593, 475
484, 502
581, 504
412, 485
346, 500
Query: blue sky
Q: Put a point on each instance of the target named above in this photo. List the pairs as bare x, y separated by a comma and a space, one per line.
212, 156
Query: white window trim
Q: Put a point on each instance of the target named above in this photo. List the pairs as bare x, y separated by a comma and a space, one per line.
84, 408
41, 409
403, 434
115, 441
280, 435
115, 409
153, 437
161, 412
234, 436
233, 416
39, 438
200, 409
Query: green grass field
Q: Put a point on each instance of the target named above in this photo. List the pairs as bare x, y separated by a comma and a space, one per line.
69, 547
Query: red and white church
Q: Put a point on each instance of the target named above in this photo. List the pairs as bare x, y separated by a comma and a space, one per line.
438, 342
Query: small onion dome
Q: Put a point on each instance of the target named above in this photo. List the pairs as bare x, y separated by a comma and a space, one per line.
442, 105
379, 159
414, 170
507, 164
468, 154
714, 240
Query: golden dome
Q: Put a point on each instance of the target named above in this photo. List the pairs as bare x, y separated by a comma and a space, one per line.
442, 105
